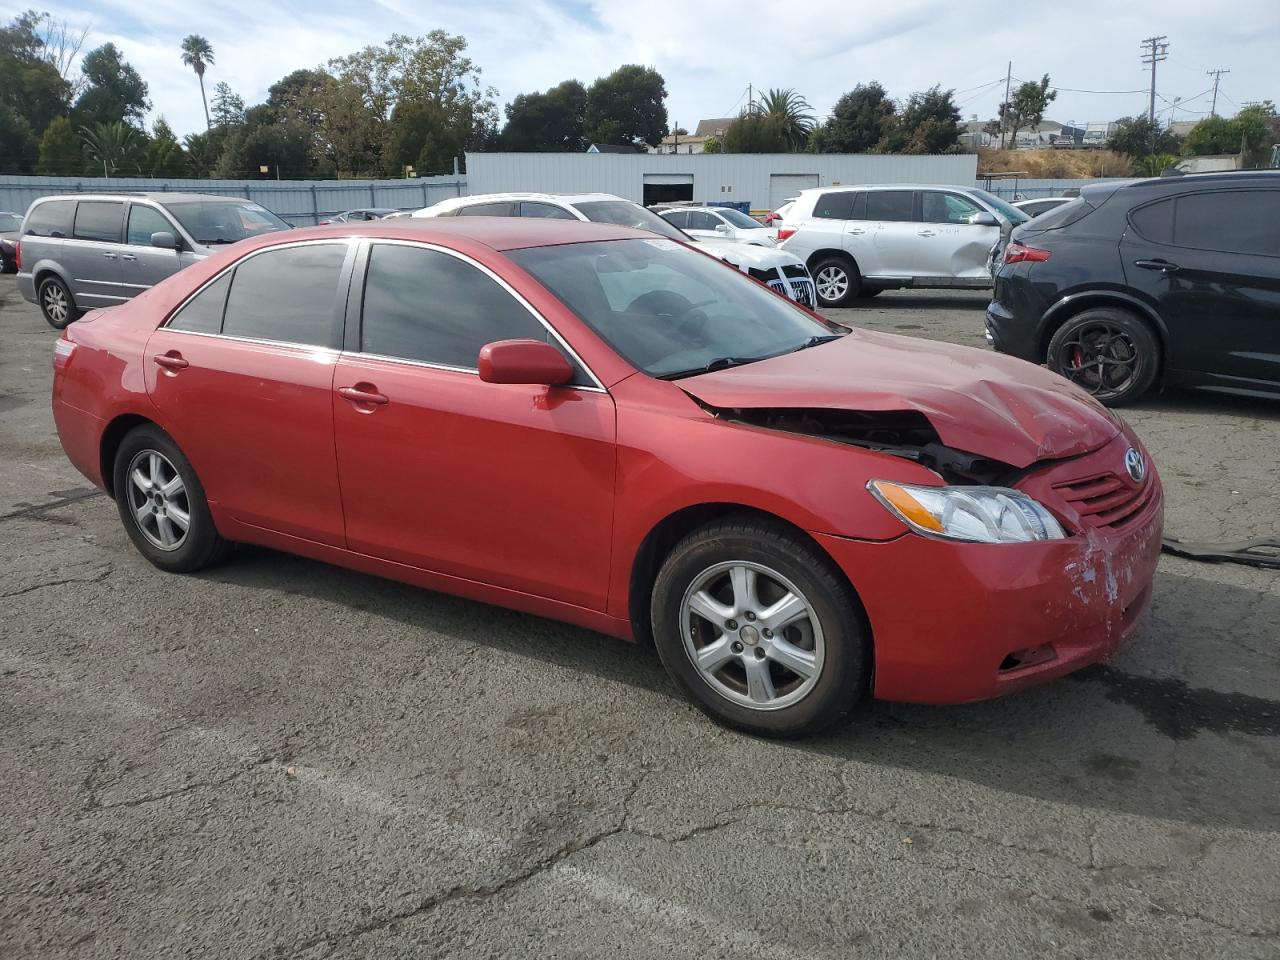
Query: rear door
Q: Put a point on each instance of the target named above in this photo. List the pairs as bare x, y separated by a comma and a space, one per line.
243, 376
142, 266
703, 224
893, 218
952, 246
91, 255
1211, 260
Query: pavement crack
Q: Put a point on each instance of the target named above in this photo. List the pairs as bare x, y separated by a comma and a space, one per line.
39, 508
57, 583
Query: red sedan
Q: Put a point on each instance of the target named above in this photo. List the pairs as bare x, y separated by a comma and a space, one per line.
612, 429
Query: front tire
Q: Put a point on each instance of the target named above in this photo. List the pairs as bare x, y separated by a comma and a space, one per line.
1108, 352
162, 504
56, 303
760, 630
836, 281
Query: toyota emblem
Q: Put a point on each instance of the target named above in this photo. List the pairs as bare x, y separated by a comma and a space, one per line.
1136, 466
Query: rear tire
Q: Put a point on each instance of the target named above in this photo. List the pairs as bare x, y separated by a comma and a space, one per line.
1108, 352
56, 303
717, 598
162, 504
836, 281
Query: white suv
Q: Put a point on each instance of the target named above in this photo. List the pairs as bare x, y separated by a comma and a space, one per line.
784, 273
860, 240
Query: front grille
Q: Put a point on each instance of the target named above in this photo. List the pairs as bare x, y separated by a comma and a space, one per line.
1106, 500
765, 274
796, 271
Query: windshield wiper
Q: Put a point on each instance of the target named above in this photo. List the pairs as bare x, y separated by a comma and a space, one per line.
719, 363
815, 341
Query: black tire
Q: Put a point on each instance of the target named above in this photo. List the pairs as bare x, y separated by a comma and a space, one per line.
842, 678
56, 303
842, 273
1107, 351
201, 544
7, 265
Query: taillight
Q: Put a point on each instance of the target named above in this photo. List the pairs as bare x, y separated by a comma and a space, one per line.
63, 348
17, 254
786, 233
1016, 252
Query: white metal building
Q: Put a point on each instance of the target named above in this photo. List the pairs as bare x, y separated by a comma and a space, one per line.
762, 180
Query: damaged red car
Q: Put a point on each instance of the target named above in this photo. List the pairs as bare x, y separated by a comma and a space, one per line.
609, 428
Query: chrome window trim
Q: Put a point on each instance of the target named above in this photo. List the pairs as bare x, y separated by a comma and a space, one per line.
598, 386
308, 347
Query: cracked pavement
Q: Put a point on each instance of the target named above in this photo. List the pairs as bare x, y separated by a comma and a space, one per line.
278, 758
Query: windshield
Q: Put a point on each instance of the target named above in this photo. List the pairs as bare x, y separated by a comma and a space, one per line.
624, 213
668, 310
224, 221
739, 219
9, 221
1005, 209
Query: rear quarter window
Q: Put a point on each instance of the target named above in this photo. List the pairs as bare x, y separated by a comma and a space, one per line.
839, 205
50, 219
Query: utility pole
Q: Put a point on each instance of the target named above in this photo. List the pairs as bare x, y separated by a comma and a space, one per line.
1213, 107
751, 100
1155, 50
1004, 113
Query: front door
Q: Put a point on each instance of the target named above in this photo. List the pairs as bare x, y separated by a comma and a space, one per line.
243, 376
952, 246
509, 484
1211, 261
142, 266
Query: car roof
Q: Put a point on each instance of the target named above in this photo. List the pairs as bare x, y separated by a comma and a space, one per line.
1217, 178
496, 233
569, 198
161, 197
844, 187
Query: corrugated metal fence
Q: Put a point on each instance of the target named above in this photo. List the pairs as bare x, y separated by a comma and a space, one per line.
301, 202
1028, 189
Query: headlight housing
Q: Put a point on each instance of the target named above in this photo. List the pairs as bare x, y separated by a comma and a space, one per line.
972, 514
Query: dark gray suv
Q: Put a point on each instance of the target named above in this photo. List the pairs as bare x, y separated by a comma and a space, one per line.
85, 251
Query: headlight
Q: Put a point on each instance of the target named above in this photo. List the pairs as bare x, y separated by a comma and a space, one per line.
976, 514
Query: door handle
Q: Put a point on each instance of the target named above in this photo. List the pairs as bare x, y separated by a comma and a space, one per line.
857, 231
1164, 266
109, 256
172, 360
926, 233
128, 256
363, 393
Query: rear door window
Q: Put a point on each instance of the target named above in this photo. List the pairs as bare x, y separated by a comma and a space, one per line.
701, 220
506, 208
287, 295
891, 205
1232, 221
677, 218
51, 218
1154, 221
837, 205
143, 222
547, 211
98, 220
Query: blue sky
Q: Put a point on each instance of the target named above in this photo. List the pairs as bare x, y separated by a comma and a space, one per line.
710, 50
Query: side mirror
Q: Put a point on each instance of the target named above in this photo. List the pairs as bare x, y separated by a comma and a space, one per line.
523, 361
723, 229
164, 239
984, 219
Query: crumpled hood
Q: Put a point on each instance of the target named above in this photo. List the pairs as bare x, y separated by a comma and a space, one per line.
980, 402
745, 255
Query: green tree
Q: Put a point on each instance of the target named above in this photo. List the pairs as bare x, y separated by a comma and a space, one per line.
228, 106
111, 146
1212, 135
1026, 108
1258, 128
203, 151
166, 158
198, 54
18, 147
713, 145
788, 113
284, 148
114, 91
61, 151
756, 132
627, 107
553, 120
930, 123
29, 85
1138, 137
860, 120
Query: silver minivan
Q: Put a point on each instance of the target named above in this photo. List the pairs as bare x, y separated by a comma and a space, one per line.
859, 240
86, 251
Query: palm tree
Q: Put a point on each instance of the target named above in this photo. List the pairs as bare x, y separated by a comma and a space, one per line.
791, 113
197, 54
110, 144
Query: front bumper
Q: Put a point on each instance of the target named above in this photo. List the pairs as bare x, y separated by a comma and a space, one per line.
958, 622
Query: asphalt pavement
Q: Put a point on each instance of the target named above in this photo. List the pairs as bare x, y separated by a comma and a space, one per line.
277, 758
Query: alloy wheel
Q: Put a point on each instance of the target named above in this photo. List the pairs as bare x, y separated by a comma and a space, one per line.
54, 300
1101, 358
832, 283
752, 635
158, 500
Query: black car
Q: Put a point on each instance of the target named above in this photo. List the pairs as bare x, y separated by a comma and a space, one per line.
1173, 280
9, 226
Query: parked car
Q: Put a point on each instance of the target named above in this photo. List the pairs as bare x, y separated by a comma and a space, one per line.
777, 218
711, 223
1174, 280
10, 223
358, 216
83, 251
1033, 208
860, 240
782, 272
586, 423
399, 215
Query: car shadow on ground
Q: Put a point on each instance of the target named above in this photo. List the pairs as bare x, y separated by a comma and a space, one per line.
1208, 404
1127, 736
915, 300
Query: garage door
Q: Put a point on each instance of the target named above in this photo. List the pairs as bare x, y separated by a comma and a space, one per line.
667, 187
784, 186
